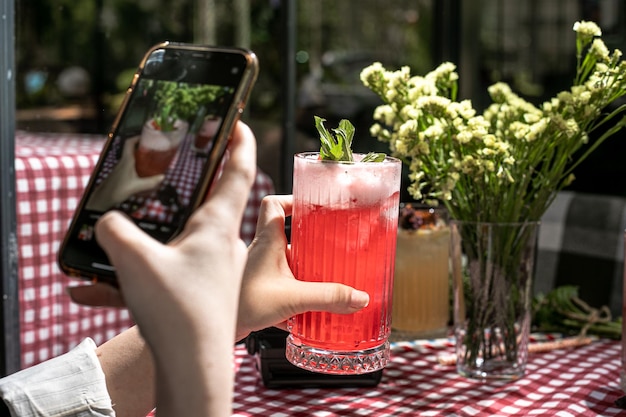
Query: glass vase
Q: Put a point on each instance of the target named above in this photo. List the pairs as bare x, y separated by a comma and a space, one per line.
492, 267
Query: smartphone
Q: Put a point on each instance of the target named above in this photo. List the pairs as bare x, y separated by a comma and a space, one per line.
164, 150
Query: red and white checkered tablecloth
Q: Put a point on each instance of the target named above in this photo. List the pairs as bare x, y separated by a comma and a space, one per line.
51, 171
564, 383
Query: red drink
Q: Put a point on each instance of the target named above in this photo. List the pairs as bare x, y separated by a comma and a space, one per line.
149, 162
156, 149
344, 226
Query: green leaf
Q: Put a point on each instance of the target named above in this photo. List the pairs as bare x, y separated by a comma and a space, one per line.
331, 149
374, 157
561, 310
337, 146
345, 131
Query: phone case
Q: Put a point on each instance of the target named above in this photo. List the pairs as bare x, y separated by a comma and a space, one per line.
174, 123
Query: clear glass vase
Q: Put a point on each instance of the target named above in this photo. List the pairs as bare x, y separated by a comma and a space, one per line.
492, 266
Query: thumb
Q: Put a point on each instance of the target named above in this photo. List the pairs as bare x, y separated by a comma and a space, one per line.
146, 183
122, 240
129, 146
136, 185
327, 296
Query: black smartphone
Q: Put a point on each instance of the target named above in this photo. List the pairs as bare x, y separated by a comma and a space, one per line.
165, 147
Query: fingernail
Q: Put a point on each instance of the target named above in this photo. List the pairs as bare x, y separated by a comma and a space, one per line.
359, 299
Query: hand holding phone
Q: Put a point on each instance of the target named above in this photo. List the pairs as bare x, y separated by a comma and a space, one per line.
122, 182
165, 147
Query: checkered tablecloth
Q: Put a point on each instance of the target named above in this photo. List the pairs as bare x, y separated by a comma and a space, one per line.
51, 172
565, 383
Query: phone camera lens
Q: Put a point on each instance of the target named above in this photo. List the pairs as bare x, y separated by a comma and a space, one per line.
154, 62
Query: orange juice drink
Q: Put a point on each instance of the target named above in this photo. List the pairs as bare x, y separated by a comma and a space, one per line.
421, 292
344, 226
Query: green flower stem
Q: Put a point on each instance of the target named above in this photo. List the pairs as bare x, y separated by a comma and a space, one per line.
497, 293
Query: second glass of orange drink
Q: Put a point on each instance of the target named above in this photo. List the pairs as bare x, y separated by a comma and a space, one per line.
344, 225
421, 288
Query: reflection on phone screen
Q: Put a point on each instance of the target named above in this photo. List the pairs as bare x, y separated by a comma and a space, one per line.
159, 153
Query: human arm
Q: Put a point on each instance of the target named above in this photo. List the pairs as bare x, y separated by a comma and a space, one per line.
174, 291
126, 362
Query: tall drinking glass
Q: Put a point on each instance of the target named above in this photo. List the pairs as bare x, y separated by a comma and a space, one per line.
344, 226
421, 289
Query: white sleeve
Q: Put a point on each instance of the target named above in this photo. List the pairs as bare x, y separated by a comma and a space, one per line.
72, 384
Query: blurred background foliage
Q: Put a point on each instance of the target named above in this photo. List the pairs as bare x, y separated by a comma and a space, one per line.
75, 59
100, 42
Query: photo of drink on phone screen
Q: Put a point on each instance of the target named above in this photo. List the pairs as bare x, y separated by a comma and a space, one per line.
165, 148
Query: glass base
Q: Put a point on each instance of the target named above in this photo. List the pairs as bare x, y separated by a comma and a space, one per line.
337, 362
491, 370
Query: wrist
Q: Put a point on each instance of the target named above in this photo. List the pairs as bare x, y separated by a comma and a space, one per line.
205, 369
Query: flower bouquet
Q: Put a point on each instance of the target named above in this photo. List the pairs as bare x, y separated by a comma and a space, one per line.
496, 173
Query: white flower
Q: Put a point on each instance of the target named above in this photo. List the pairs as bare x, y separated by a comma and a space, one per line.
433, 131
375, 129
519, 130
408, 128
537, 129
369, 72
444, 72
464, 136
475, 163
499, 91
465, 109
391, 94
401, 147
565, 97
589, 29
384, 114
532, 117
599, 50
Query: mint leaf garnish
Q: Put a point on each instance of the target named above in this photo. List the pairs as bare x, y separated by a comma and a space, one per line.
337, 146
374, 157
334, 146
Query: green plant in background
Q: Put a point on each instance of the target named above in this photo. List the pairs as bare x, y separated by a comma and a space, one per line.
561, 310
181, 101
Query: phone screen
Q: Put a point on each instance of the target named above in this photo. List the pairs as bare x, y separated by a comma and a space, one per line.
164, 150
